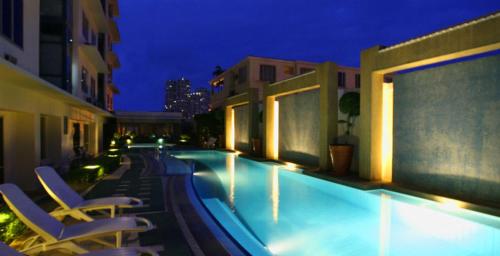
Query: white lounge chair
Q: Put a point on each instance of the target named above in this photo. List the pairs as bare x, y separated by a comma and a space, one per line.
52, 234
71, 203
6, 250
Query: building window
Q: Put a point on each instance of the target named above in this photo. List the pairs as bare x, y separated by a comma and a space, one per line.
92, 88
341, 79
65, 125
268, 73
86, 137
83, 80
85, 27
306, 70
43, 138
358, 80
289, 70
93, 37
242, 74
11, 13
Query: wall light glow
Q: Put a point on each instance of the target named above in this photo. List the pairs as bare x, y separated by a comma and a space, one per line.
113, 143
129, 141
450, 204
276, 124
232, 135
387, 130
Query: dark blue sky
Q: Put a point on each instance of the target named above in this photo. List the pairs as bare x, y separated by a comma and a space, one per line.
167, 39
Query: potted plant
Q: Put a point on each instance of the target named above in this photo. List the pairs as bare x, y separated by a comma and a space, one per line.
342, 151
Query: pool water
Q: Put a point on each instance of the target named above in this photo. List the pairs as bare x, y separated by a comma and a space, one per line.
294, 214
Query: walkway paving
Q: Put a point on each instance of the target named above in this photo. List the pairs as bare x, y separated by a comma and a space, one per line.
180, 231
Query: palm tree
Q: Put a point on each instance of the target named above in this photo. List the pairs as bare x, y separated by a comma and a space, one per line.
218, 70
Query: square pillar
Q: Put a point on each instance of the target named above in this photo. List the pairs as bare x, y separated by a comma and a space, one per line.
370, 153
326, 76
229, 125
270, 150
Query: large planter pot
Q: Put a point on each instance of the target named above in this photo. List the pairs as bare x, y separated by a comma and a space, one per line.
256, 146
341, 155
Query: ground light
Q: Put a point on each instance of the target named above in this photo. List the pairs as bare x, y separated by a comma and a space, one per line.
160, 141
113, 143
129, 141
112, 155
113, 150
4, 217
91, 167
290, 166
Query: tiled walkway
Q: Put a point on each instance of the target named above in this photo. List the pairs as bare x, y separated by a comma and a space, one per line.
180, 231
140, 182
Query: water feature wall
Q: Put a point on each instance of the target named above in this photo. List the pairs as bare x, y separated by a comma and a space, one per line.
447, 129
241, 141
299, 127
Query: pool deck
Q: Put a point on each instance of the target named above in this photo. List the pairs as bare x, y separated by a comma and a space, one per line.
180, 229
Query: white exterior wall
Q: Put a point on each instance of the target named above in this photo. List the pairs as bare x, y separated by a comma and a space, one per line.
27, 56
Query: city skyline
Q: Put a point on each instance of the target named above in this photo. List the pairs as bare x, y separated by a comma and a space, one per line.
198, 35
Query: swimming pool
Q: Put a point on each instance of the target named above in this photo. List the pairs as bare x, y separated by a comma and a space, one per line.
294, 214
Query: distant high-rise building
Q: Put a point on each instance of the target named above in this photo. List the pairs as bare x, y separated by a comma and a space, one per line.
180, 98
177, 93
200, 99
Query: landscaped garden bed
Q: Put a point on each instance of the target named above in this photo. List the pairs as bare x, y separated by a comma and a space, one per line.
82, 174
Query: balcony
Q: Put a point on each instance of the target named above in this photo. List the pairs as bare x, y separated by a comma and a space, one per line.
113, 10
93, 9
93, 56
113, 31
113, 59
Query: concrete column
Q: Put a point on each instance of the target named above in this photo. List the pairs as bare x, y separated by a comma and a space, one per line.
268, 131
228, 127
326, 74
253, 114
370, 120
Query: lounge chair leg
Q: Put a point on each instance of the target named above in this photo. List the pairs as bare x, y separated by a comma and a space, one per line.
73, 248
119, 239
79, 215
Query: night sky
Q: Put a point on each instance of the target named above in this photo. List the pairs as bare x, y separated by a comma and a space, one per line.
168, 39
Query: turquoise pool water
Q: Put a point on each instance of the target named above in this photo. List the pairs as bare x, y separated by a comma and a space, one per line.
294, 214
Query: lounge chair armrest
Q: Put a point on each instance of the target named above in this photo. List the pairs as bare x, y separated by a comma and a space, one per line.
148, 251
137, 202
149, 225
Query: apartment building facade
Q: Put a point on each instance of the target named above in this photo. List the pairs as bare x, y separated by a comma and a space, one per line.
255, 72
56, 89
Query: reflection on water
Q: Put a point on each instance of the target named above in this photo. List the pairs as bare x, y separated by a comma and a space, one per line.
275, 193
230, 171
385, 224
